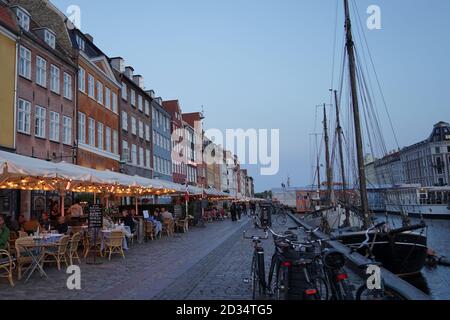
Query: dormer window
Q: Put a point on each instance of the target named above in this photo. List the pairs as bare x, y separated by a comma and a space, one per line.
24, 18
50, 38
81, 43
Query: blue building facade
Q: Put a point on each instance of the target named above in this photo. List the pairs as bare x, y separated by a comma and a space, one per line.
162, 143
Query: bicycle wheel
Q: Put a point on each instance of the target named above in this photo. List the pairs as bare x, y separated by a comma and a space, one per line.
282, 284
255, 278
282, 220
388, 293
322, 288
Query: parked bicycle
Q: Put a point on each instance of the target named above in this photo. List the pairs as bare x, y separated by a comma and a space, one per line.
258, 273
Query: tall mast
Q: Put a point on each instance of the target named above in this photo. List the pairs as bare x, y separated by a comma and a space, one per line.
327, 156
341, 157
356, 116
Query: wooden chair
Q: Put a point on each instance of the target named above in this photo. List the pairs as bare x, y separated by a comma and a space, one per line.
149, 230
113, 244
73, 248
57, 253
23, 234
168, 227
182, 225
92, 244
6, 266
22, 257
12, 242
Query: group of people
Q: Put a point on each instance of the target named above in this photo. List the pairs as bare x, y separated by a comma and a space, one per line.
237, 210
157, 219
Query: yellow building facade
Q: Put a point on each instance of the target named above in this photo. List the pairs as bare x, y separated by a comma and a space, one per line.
8, 83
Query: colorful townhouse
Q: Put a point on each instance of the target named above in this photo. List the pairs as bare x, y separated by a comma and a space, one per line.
135, 134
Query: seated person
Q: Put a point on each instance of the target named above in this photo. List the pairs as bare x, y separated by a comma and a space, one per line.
107, 222
128, 221
166, 214
45, 221
4, 234
62, 226
32, 225
76, 210
21, 222
157, 215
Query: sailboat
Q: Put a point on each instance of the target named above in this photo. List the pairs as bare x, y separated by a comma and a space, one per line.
402, 251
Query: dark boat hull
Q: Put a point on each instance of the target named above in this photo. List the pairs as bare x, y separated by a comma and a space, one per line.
403, 254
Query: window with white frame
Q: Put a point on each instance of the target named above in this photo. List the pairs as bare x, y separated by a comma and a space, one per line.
91, 132
54, 78
54, 126
154, 137
100, 135
134, 154
108, 139
24, 19
147, 132
124, 121
124, 91
141, 129
67, 130
147, 158
125, 151
140, 103
81, 127
154, 162
147, 108
82, 80
114, 103
67, 86
100, 92
153, 114
141, 157
115, 142
91, 86
107, 98
39, 128
133, 125
41, 72
133, 98
25, 62
81, 43
23, 116
50, 38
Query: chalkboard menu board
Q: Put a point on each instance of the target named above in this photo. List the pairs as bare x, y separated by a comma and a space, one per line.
178, 211
95, 217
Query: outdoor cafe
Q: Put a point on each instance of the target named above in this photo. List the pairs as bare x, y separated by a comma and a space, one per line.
99, 223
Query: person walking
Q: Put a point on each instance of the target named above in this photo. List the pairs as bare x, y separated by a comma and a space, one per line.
233, 212
239, 212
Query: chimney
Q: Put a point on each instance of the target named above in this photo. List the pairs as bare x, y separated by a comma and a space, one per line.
159, 100
89, 37
151, 93
129, 72
139, 80
118, 63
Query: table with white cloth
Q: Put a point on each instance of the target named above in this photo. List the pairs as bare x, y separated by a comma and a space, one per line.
126, 234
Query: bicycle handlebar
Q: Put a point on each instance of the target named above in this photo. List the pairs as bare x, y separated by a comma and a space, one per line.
256, 238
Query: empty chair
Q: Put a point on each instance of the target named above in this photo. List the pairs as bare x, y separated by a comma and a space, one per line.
113, 244
57, 253
73, 248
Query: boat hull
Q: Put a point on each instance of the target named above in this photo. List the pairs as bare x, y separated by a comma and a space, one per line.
403, 254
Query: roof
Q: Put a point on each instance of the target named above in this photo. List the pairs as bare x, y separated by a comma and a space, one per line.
8, 19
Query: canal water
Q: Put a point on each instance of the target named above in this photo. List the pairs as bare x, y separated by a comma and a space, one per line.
434, 281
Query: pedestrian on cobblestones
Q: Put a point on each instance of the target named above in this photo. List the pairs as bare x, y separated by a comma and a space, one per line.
239, 213
233, 211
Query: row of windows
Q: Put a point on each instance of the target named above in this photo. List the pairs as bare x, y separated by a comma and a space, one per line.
161, 141
24, 22
58, 125
131, 155
137, 127
160, 120
162, 166
107, 138
25, 66
142, 104
97, 91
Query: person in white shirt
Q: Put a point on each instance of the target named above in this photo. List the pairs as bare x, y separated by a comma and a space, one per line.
166, 214
76, 210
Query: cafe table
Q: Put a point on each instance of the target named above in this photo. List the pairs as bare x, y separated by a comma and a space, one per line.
35, 249
107, 233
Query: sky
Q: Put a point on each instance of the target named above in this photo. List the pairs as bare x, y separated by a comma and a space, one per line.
267, 64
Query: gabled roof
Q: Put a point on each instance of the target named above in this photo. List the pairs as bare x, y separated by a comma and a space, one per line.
8, 19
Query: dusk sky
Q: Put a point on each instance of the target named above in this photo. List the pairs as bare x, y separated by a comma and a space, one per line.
267, 64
